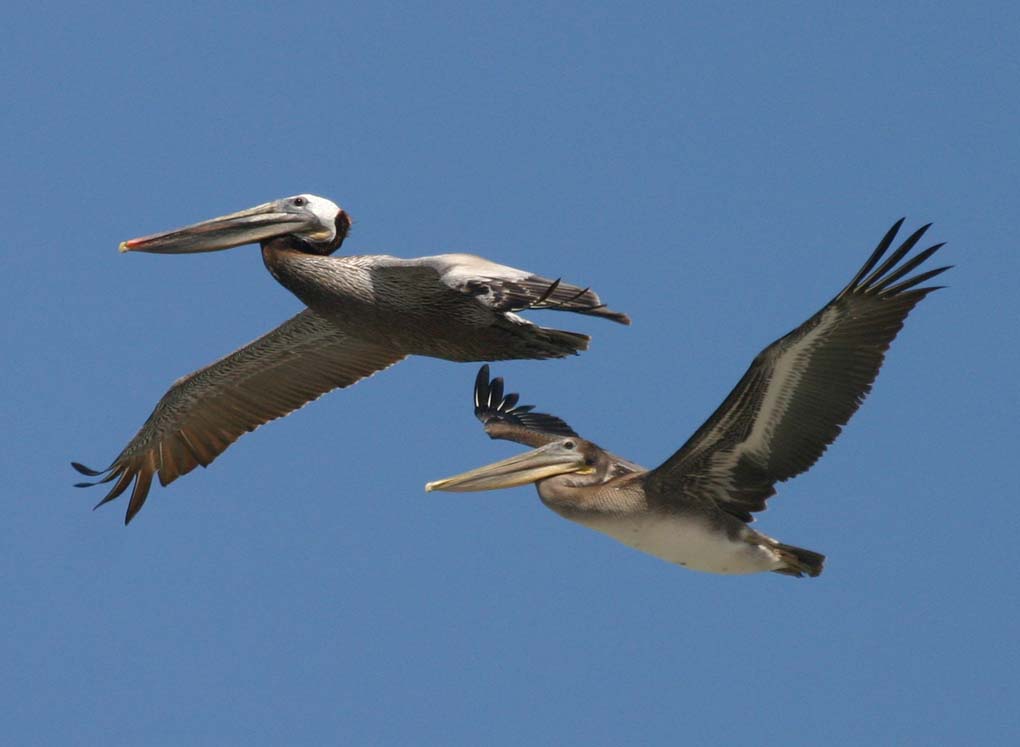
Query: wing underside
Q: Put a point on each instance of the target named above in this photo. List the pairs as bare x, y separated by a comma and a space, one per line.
203, 413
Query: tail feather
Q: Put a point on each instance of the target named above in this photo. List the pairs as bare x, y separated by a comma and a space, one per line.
545, 342
799, 561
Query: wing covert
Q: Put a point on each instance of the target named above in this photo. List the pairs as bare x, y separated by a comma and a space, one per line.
508, 289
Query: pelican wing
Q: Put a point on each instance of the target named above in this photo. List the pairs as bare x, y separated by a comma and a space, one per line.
206, 411
504, 418
799, 391
504, 288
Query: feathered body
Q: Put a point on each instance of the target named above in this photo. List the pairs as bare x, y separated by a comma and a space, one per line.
458, 307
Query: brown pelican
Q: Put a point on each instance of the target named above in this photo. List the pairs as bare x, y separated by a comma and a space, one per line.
694, 509
364, 314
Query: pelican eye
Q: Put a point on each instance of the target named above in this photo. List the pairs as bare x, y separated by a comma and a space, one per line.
299, 201
568, 444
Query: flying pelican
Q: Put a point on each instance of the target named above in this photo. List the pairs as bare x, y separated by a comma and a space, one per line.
364, 314
695, 508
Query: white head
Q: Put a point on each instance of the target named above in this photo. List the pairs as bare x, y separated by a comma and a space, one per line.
323, 210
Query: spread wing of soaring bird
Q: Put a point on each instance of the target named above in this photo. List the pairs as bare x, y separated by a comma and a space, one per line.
206, 411
801, 390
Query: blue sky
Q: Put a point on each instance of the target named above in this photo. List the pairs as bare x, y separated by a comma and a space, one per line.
716, 173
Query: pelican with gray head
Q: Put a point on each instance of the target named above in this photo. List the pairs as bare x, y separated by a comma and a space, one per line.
695, 508
364, 313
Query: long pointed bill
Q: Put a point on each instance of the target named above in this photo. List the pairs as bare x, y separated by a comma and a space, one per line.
246, 227
546, 461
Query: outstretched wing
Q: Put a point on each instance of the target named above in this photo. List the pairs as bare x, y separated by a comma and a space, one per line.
504, 418
504, 288
206, 411
799, 391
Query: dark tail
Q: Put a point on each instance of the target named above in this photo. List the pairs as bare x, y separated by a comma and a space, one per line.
799, 561
546, 342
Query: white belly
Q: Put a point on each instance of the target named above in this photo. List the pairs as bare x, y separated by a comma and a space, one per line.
689, 543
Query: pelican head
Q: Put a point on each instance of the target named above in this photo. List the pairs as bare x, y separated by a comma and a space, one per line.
319, 225
564, 456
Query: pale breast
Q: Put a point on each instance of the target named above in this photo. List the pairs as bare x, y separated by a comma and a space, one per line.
686, 541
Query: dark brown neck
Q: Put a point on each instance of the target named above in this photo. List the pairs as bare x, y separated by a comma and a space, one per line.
298, 244
343, 227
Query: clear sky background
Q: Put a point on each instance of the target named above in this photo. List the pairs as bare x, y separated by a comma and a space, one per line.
718, 173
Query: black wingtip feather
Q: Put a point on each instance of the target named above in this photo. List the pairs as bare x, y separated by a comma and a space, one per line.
879, 280
916, 280
493, 405
548, 292
895, 257
110, 475
481, 386
87, 470
138, 496
876, 255
495, 392
907, 267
